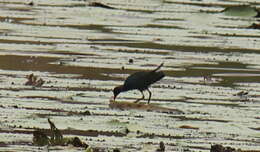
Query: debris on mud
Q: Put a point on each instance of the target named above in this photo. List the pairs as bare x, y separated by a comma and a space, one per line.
161, 147
76, 142
85, 113
116, 150
256, 128
141, 106
254, 26
241, 10
207, 78
34, 81
220, 148
98, 4
130, 61
188, 127
241, 93
31, 3
40, 138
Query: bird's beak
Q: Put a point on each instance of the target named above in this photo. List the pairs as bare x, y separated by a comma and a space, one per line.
113, 98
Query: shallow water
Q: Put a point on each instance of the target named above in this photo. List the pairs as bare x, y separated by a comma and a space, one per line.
82, 52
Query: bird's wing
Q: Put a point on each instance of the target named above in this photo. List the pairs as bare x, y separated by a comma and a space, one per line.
142, 80
153, 77
136, 80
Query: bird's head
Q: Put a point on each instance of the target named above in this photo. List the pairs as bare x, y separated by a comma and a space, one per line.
117, 90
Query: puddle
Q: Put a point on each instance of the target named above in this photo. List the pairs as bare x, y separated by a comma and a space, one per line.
210, 94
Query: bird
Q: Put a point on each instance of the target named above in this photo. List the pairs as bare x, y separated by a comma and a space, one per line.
140, 81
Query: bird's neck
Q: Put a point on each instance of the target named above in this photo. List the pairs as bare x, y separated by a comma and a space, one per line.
122, 88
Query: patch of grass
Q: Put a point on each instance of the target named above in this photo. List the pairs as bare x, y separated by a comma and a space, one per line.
40, 138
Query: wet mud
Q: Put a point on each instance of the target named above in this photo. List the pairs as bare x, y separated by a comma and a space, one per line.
81, 50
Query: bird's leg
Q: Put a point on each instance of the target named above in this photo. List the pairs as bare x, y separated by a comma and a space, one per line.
150, 94
140, 98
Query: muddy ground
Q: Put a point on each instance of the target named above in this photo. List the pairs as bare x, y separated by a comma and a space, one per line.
81, 50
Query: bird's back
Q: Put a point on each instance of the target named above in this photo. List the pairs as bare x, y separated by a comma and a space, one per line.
142, 80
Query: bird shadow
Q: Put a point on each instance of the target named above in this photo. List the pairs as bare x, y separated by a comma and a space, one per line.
124, 105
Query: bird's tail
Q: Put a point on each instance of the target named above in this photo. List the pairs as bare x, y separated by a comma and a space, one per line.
158, 67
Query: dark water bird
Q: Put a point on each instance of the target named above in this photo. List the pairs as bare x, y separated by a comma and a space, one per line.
140, 81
